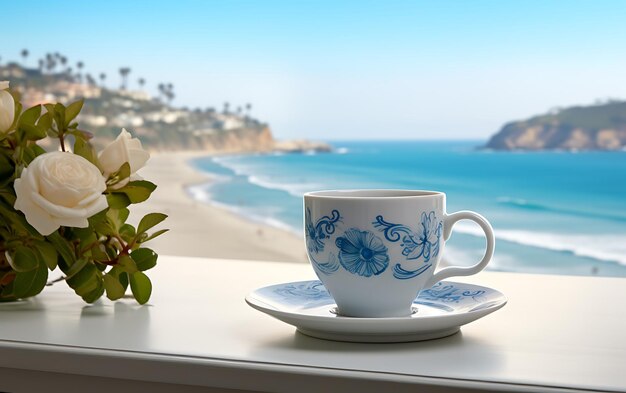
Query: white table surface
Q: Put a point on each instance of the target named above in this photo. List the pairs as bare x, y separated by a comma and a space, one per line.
556, 333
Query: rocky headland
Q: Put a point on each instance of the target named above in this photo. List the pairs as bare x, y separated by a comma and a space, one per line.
594, 127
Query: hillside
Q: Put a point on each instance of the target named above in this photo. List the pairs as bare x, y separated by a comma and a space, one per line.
595, 127
159, 125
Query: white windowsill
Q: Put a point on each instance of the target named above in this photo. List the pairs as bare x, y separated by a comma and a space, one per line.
555, 332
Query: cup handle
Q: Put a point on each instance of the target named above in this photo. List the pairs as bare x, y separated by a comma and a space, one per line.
449, 221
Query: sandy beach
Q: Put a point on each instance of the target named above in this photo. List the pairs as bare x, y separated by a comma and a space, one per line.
200, 229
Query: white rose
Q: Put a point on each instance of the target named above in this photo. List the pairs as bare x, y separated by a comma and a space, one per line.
59, 189
7, 107
123, 149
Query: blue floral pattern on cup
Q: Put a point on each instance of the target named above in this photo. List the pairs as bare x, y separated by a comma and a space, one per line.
423, 244
362, 252
316, 234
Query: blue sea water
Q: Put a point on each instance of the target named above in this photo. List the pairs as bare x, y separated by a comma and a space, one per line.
553, 212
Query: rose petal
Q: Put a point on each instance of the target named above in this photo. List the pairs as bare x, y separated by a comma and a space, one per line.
37, 217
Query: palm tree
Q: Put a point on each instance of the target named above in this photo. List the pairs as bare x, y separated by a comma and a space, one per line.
24, 54
161, 91
50, 62
63, 61
90, 80
248, 108
239, 111
124, 71
79, 66
169, 93
226, 106
103, 76
41, 63
141, 82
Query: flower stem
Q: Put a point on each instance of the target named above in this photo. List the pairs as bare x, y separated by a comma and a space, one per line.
50, 283
62, 140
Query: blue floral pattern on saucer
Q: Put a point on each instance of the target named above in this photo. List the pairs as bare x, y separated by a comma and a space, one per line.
310, 308
446, 295
449, 293
309, 290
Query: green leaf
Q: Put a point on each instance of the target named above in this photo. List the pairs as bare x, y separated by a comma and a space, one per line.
138, 191
120, 275
24, 259
59, 115
123, 277
7, 168
144, 258
117, 200
105, 228
76, 268
72, 111
32, 132
84, 281
117, 217
85, 235
48, 254
27, 284
45, 122
98, 217
50, 109
95, 293
127, 264
31, 152
155, 234
18, 221
127, 232
122, 216
115, 290
150, 220
30, 115
84, 149
141, 287
121, 174
62, 248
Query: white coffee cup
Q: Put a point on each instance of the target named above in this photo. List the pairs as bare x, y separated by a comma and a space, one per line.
375, 250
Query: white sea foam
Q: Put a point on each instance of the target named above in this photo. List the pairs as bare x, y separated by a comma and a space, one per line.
603, 247
202, 193
294, 189
342, 150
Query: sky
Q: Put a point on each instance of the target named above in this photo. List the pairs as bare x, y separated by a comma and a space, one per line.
332, 70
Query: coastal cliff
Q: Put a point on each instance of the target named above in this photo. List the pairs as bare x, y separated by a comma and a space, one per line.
595, 127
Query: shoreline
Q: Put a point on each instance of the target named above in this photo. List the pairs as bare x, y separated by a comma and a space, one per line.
203, 229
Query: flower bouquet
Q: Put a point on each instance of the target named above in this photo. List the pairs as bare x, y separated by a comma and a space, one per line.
68, 208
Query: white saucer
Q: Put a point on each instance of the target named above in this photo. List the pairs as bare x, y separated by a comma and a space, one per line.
439, 312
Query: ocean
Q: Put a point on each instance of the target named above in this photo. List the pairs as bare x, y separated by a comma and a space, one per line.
552, 212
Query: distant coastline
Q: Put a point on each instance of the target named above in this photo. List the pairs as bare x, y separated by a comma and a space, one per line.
159, 125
